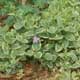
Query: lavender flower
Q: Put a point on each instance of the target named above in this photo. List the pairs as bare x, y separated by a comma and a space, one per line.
36, 39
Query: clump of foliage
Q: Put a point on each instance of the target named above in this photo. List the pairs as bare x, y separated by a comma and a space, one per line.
47, 31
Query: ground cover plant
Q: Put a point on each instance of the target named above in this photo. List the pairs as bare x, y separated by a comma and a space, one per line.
46, 32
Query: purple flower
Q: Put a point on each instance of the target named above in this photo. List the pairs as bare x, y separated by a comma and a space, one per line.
36, 39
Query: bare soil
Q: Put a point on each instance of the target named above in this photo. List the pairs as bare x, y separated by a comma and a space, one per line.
32, 72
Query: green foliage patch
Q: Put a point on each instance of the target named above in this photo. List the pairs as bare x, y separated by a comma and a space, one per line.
47, 31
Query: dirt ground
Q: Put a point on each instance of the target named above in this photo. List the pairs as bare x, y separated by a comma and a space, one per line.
33, 72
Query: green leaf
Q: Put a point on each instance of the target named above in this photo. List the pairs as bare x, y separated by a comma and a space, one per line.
58, 47
36, 46
48, 46
70, 37
65, 44
5, 48
58, 37
52, 29
29, 53
38, 55
76, 65
16, 46
29, 33
73, 55
21, 39
9, 37
18, 25
70, 29
40, 3
66, 75
10, 20
48, 56
4, 29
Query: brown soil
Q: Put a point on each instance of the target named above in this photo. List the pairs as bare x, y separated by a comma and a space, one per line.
33, 72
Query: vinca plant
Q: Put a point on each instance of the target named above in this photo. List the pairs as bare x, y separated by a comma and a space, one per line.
45, 31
